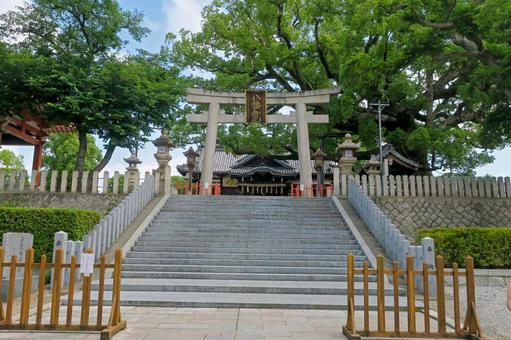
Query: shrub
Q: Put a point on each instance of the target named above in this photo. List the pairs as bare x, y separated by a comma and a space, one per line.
43, 223
490, 247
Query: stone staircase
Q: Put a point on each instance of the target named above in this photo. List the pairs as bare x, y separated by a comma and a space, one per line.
239, 251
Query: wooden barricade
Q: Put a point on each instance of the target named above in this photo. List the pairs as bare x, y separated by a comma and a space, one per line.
35, 322
470, 329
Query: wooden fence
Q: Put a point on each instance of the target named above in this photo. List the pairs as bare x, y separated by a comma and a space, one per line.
469, 329
429, 186
64, 181
36, 322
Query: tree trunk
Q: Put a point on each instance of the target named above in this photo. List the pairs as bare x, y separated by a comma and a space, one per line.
82, 150
106, 158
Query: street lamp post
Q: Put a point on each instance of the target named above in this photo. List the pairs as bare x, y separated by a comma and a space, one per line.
191, 159
319, 164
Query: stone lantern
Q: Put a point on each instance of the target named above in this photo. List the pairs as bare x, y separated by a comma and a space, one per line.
319, 163
348, 159
373, 166
191, 160
162, 155
133, 172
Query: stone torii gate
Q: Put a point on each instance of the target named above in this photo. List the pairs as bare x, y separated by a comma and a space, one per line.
300, 117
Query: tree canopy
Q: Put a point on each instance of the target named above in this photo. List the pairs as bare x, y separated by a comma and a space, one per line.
10, 160
444, 67
61, 149
66, 55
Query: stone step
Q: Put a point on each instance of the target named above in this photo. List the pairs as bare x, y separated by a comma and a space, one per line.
198, 242
203, 268
167, 226
249, 234
240, 300
224, 262
240, 276
240, 239
234, 256
248, 251
243, 286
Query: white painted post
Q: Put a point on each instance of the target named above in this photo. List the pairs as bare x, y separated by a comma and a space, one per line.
413, 191
304, 159
59, 242
126, 187
33, 180
21, 184
53, 181
70, 251
337, 184
42, 185
419, 260
63, 181
85, 181
95, 180
74, 181
428, 248
78, 253
399, 186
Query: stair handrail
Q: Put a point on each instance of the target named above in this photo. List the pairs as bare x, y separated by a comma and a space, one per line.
394, 242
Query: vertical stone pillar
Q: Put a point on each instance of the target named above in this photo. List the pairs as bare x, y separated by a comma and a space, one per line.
59, 242
209, 149
302, 134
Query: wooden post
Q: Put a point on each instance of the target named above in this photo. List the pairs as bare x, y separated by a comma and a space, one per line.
425, 283
456, 298
410, 282
115, 313
86, 288
471, 322
71, 291
350, 324
10, 292
440, 292
380, 287
395, 279
57, 286
40, 292
366, 297
101, 292
27, 285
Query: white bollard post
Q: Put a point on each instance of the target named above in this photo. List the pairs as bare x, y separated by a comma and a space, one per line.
78, 253
405, 245
419, 260
59, 242
428, 248
70, 251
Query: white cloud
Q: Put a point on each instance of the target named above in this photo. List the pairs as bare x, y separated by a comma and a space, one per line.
183, 14
9, 5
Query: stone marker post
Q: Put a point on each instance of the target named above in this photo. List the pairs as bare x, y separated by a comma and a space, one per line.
428, 247
60, 242
70, 251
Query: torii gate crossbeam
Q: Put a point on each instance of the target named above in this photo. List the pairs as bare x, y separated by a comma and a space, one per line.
301, 118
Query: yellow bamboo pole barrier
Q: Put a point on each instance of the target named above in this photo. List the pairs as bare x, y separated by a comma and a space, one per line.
115, 315
27, 286
71, 291
366, 297
86, 283
350, 323
425, 281
471, 321
57, 287
2, 316
410, 278
395, 279
10, 292
101, 292
456, 298
442, 329
40, 291
380, 287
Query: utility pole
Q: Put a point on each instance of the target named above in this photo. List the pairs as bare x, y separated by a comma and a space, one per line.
380, 107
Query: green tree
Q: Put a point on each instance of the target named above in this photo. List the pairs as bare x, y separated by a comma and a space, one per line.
442, 65
61, 149
10, 160
67, 58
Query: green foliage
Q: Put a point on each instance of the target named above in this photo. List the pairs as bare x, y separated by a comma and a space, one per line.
43, 223
10, 161
10, 204
177, 180
70, 69
442, 65
61, 149
490, 247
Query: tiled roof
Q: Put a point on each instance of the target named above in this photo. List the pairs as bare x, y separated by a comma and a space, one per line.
388, 149
226, 163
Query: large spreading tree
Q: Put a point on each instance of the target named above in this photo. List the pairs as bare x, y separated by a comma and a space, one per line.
66, 61
444, 67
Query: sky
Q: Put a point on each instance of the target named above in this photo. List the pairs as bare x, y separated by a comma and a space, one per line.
161, 17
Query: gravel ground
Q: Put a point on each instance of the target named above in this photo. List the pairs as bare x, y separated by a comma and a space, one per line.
494, 317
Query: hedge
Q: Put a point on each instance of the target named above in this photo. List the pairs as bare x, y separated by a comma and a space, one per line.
43, 223
490, 247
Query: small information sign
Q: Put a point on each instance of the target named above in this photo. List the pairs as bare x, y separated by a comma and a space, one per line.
87, 264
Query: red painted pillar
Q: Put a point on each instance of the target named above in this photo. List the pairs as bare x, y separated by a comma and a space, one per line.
37, 161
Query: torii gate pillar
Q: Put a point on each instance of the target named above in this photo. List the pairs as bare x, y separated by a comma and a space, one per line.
301, 118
